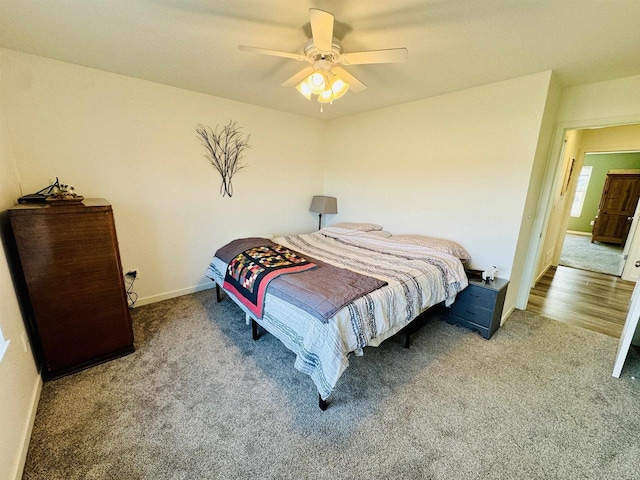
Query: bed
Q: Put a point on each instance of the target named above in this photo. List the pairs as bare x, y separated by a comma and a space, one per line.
412, 278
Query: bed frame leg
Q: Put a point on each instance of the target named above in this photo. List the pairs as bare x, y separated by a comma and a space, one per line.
218, 297
254, 330
407, 340
322, 403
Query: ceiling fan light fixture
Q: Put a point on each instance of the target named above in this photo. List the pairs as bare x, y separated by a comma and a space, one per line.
339, 87
325, 77
326, 96
304, 89
316, 82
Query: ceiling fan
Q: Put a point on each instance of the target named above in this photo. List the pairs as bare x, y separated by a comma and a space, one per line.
326, 77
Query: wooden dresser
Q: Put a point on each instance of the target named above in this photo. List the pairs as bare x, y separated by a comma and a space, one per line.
77, 303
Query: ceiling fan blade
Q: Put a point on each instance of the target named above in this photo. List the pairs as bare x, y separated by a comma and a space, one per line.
321, 29
274, 53
391, 55
354, 84
298, 77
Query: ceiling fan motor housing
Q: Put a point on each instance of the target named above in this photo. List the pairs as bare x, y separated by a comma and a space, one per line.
314, 55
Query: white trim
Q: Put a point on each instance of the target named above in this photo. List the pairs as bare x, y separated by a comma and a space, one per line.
630, 325
4, 344
574, 232
506, 315
26, 437
544, 270
175, 293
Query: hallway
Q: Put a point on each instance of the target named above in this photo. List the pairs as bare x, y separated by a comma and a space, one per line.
590, 300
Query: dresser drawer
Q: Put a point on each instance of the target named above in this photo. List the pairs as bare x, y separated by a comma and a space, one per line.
473, 313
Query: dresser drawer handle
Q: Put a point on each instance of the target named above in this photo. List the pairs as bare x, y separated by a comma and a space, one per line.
470, 312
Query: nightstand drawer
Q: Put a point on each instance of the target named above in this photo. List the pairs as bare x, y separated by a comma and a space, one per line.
475, 296
473, 313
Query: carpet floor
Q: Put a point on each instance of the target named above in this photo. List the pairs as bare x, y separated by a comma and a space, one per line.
200, 400
579, 252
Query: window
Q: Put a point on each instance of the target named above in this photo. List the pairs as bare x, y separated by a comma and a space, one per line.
581, 191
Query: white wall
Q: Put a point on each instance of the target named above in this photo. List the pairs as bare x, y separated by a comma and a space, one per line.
614, 102
525, 257
611, 139
19, 380
457, 166
134, 143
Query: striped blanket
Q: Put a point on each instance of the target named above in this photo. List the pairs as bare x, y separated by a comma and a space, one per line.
417, 278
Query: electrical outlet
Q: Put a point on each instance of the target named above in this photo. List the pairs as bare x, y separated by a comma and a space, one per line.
133, 273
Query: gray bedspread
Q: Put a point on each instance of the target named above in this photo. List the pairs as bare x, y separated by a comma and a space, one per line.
320, 292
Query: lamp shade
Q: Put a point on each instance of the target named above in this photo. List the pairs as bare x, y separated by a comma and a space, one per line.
321, 204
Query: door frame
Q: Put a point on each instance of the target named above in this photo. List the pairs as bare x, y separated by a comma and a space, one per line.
630, 247
628, 332
554, 173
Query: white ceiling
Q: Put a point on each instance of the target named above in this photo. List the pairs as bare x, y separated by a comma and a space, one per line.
452, 45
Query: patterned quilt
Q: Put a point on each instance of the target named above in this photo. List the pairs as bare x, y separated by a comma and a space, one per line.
250, 272
417, 278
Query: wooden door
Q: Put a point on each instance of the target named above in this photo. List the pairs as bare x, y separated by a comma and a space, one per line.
617, 206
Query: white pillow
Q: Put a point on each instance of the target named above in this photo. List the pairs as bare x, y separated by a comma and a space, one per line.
377, 233
332, 230
440, 244
363, 227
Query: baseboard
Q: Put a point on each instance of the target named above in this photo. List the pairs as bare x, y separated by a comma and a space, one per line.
506, 315
574, 232
176, 293
24, 447
544, 270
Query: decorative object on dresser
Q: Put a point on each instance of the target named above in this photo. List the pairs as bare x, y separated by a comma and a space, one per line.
224, 149
56, 193
323, 205
72, 276
64, 194
479, 306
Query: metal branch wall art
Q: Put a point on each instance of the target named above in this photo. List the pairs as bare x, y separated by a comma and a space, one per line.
224, 148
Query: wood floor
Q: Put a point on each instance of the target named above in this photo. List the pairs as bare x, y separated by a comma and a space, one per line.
590, 300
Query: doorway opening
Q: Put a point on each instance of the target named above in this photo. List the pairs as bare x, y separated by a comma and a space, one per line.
568, 259
605, 196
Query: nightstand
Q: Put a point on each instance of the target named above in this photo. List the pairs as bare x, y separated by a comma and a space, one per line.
479, 306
